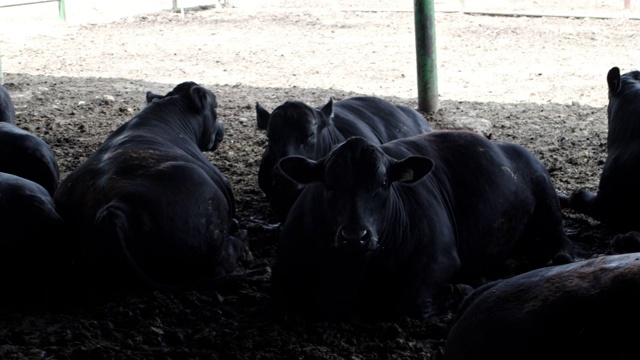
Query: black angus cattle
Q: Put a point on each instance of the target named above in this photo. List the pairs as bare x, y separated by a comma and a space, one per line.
31, 252
26, 155
295, 128
385, 229
7, 108
618, 195
148, 205
584, 310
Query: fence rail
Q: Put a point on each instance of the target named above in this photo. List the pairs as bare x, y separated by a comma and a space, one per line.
62, 13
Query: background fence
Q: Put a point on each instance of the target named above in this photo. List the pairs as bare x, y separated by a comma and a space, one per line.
61, 6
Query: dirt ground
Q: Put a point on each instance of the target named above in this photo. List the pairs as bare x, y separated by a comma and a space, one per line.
537, 81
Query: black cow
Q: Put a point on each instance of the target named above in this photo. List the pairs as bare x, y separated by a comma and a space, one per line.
31, 244
148, 202
26, 155
618, 195
7, 108
584, 310
295, 128
383, 229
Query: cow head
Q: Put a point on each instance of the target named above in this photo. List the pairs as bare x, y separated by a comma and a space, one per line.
359, 184
623, 109
196, 99
292, 129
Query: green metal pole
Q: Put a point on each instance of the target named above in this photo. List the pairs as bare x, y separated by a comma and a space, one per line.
426, 55
1, 73
62, 11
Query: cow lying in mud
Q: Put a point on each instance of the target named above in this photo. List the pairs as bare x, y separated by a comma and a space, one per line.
616, 201
32, 229
381, 230
148, 206
584, 310
295, 128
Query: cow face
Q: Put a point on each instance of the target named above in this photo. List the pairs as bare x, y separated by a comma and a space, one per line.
203, 102
359, 180
291, 128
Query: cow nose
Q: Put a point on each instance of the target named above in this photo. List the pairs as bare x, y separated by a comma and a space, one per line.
354, 234
358, 237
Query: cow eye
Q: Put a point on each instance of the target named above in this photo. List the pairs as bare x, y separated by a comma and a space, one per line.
308, 138
330, 192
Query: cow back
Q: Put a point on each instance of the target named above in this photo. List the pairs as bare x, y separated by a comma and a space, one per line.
377, 120
581, 310
24, 154
474, 174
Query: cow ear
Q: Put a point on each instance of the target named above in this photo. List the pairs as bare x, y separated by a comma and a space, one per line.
410, 169
327, 109
203, 98
300, 169
151, 97
613, 80
262, 117
327, 114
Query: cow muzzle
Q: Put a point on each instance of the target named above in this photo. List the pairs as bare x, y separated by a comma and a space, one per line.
356, 237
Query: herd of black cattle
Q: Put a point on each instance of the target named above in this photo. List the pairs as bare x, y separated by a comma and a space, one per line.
382, 217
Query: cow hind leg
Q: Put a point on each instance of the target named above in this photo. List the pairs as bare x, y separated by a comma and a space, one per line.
585, 202
111, 261
544, 241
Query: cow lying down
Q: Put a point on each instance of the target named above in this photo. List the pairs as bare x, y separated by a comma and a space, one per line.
148, 207
295, 128
616, 201
585, 310
381, 230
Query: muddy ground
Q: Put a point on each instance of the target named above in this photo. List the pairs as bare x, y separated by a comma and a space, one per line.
537, 81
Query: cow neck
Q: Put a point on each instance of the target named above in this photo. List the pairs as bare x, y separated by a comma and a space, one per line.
328, 138
174, 117
444, 199
623, 131
412, 197
398, 218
